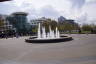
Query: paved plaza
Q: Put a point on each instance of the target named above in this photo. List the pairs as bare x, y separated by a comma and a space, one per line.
81, 50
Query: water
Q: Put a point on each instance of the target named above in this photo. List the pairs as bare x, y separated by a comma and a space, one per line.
57, 33
43, 33
50, 34
39, 32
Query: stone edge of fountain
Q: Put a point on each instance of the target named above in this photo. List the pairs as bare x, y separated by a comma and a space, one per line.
54, 40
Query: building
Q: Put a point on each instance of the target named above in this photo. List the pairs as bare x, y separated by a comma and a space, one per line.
5, 26
68, 25
19, 21
61, 19
35, 22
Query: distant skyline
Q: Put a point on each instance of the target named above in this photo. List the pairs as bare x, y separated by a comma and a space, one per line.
83, 11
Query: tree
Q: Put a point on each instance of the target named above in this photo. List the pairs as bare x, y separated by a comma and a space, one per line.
34, 30
1, 25
1, 22
53, 24
86, 27
48, 23
93, 31
67, 26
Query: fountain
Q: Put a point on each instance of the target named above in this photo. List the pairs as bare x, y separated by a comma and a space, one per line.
49, 37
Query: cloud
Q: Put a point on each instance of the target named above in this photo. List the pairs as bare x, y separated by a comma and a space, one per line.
49, 11
74, 9
38, 7
46, 11
88, 13
83, 11
6, 8
90, 1
77, 3
82, 19
90, 10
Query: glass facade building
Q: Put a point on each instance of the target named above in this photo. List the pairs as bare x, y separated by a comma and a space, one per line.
19, 21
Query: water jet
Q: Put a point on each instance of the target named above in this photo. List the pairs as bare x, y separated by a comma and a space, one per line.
49, 37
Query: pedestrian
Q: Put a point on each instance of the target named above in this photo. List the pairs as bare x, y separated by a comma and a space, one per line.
17, 36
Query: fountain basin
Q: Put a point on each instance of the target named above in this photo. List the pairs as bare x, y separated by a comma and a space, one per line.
48, 40
49, 37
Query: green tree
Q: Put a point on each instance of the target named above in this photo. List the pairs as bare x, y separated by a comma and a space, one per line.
1, 22
34, 30
48, 23
53, 24
86, 27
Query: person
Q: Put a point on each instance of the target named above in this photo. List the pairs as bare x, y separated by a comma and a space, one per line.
17, 36
79, 31
6, 36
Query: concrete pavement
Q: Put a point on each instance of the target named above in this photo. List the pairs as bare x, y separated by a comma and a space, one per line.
81, 50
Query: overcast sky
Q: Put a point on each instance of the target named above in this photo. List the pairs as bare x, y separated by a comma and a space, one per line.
83, 11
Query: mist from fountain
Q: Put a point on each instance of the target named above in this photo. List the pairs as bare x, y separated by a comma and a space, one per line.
43, 33
57, 33
50, 35
39, 31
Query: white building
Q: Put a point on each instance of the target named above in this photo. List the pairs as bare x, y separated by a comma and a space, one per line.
35, 22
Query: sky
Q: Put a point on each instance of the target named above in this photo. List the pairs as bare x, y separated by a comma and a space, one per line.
82, 11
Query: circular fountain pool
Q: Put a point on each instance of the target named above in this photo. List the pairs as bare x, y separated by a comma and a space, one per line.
51, 36
48, 40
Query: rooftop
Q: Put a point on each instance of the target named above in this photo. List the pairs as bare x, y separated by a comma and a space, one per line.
20, 13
